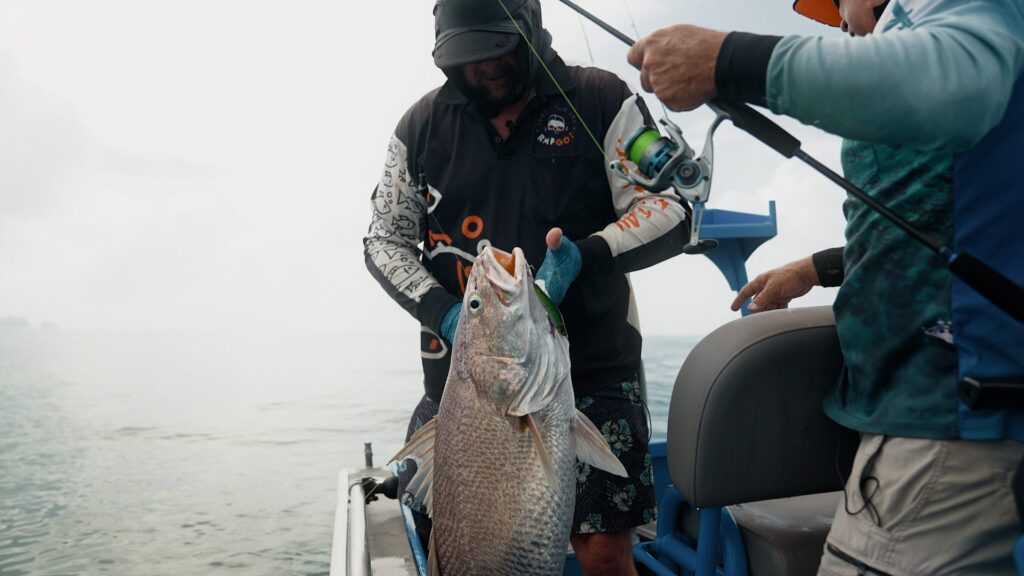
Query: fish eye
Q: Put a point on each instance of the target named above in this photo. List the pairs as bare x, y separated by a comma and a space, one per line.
475, 303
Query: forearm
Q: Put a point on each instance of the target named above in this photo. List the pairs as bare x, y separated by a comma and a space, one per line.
652, 226
396, 266
943, 83
391, 247
655, 230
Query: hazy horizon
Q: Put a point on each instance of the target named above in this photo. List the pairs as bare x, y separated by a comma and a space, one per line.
208, 164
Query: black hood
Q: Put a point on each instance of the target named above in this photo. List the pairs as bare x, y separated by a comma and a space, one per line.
474, 30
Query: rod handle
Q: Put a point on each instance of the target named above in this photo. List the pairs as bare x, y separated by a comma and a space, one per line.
757, 125
990, 283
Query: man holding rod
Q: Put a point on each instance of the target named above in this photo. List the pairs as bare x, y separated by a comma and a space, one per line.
929, 97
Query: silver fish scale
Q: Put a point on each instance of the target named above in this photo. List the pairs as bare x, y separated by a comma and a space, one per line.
494, 512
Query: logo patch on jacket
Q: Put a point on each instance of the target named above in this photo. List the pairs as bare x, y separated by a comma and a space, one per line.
556, 128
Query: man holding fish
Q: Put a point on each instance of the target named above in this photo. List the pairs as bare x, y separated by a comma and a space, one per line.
496, 160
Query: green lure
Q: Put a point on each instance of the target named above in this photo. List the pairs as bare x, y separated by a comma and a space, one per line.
553, 313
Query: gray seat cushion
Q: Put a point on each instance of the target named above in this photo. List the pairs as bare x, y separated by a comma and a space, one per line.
746, 422
782, 537
785, 537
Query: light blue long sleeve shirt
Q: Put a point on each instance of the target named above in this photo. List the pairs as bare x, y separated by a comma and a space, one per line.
935, 74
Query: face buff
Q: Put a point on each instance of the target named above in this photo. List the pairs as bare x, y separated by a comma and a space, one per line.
488, 100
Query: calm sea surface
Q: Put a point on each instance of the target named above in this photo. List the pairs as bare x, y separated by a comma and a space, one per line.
180, 453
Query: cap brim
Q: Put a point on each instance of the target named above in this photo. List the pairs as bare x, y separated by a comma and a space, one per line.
474, 46
824, 11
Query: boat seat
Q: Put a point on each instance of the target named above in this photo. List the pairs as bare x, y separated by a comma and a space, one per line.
746, 431
781, 536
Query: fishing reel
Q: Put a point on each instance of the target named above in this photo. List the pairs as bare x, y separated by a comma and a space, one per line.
669, 162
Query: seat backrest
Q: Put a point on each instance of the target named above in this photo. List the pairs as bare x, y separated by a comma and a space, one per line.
746, 421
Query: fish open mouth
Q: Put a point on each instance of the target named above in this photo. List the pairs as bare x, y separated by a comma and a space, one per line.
505, 271
506, 261
508, 273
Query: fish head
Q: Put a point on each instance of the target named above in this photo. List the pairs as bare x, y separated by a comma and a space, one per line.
496, 307
506, 341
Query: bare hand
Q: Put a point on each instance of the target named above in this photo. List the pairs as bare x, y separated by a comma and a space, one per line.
677, 64
775, 288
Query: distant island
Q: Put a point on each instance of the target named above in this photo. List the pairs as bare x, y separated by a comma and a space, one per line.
14, 322
20, 322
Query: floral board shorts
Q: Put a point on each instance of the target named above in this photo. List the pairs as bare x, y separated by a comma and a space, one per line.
604, 502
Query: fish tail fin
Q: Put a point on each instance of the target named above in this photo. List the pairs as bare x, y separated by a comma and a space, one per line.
592, 447
545, 457
421, 449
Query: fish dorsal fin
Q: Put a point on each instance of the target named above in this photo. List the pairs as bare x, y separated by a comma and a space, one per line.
592, 448
545, 457
433, 562
421, 449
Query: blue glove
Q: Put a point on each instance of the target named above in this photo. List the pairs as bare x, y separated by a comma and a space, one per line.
451, 322
559, 269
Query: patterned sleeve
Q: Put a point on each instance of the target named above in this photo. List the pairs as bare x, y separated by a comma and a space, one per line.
652, 226
392, 244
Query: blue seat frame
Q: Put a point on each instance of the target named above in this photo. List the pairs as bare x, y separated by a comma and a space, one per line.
673, 552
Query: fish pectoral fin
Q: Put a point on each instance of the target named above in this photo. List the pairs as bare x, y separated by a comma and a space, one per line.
537, 391
545, 457
421, 449
592, 447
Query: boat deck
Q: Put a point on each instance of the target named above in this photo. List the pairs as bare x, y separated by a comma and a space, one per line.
389, 547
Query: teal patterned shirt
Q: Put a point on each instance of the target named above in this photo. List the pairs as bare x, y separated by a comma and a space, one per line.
900, 359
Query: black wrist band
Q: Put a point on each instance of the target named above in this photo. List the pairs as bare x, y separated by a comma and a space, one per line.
741, 71
829, 266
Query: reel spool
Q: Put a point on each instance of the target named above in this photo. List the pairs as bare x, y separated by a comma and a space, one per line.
668, 161
651, 152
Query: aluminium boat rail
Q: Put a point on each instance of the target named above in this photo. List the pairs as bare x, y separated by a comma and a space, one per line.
370, 539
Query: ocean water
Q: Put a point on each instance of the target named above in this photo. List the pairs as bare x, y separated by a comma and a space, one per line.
196, 453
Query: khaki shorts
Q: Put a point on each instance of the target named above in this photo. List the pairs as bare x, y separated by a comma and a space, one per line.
917, 506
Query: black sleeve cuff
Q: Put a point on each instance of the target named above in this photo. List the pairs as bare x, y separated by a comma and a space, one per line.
741, 71
596, 256
829, 266
434, 305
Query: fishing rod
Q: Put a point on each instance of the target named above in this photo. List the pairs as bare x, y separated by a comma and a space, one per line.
670, 162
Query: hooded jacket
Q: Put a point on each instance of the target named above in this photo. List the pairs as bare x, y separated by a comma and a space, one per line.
451, 186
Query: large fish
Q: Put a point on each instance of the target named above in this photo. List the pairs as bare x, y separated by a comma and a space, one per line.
497, 466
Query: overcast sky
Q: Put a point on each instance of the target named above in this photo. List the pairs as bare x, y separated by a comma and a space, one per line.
207, 164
